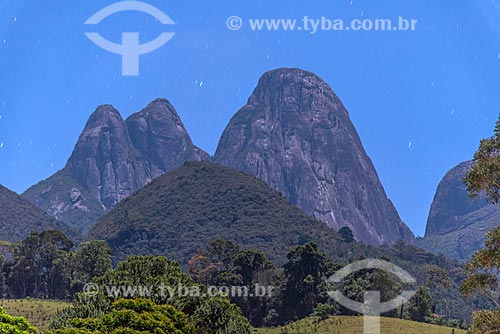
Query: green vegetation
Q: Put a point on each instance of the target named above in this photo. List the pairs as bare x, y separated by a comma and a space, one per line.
37, 311
81, 216
14, 325
482, 277
132, 316
183, 210
205, 314
19, 217
354, 325
483, 269
300, 288
45, 266
484, 176
230, 229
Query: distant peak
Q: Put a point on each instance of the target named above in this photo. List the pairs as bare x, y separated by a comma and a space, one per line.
105, 111
158, 108
160, 100
299, 81
286, 74
287, 70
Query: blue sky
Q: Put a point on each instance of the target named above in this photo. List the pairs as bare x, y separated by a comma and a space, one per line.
421, 100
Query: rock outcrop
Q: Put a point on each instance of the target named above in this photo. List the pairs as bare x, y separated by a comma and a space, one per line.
158, 134
112, 159
295, 134
457, 224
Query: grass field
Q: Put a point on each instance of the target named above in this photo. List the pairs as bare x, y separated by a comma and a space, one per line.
38, 312
354, 325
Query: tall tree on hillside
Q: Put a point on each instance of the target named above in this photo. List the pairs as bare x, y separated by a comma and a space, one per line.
484, 176
91, 259
305, 273
482, 276
484, 268
223, 264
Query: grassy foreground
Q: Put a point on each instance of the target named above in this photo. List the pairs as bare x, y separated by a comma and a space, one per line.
354, 325
38, 312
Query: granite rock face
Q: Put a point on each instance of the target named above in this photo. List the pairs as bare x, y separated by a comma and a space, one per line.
158, 134
295, 134
457, 224
112, 159
104, 160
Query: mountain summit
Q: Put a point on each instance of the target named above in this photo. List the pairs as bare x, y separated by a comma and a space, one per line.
295, 134
112, 159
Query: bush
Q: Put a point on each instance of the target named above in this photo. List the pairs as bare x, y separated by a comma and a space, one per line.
14, 325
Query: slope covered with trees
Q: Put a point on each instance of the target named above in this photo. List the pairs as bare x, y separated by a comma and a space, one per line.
18, 218
182, 211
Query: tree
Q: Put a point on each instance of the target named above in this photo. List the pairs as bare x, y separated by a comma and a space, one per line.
323, 311
421, 309
485, 322
484, 176
484, 268
218, 258
252, 267
91, 259
346, 234
159, 277
249, 264
223, 264
305, 272
221, 253
219, 316
14, 325
35, 271
132, 316
482, 277
356, 284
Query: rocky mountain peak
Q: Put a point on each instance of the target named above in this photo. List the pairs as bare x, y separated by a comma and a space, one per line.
295, 134
112, 159
103, 160
158, 133
294, 83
